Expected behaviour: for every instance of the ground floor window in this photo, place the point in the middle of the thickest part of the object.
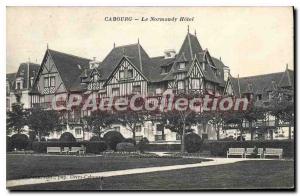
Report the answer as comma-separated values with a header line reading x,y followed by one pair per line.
x,y
78,131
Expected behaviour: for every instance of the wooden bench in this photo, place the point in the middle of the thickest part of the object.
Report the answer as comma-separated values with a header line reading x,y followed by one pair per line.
x,y
76,150
273,152
53,150
236,151
65,150
250,151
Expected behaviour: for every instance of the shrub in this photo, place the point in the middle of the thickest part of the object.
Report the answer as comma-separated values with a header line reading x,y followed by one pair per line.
x,y
219,148
130,140
19,141
193,142
67,137
95,138
95,147
9,146
142,144
112,138
39,147
125,147
162,147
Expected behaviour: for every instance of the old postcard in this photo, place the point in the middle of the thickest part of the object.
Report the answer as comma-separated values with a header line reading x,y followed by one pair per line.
x,y
150,98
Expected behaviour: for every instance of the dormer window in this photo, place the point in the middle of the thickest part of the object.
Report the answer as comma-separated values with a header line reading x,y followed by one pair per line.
x,y
164,70
19,84
31,81
95,78
181,65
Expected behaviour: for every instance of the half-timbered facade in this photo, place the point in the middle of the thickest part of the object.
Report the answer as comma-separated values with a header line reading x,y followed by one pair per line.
x,y
259,88
127,70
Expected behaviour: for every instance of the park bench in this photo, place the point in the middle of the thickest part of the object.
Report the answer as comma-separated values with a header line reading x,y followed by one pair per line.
x,y
65,150
53,150
273,152
250,151
76,150
236,151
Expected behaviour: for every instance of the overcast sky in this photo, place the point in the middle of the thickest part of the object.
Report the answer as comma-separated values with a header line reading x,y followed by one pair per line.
x,y
249,40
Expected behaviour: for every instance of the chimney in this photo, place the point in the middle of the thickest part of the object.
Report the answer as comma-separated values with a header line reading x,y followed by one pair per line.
x,y
170,53
94,63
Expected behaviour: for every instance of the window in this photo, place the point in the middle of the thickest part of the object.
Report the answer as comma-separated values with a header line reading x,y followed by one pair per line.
x,y
122,74
78,131
52,81
195,83
138,128
181,66
46,82
130,73
159,127
180,85
136,89
115,91
164,70
31,81
126,74
117,129
158,91
18,87
95,78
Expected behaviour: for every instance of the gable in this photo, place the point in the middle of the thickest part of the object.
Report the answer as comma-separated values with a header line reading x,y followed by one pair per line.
x,y
49,70
124,66
195,70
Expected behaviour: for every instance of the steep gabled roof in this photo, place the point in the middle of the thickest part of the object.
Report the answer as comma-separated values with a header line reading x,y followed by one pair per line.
x,y
189,47
287,79
10,78
261,84
154,70
133,52
69,67
23,73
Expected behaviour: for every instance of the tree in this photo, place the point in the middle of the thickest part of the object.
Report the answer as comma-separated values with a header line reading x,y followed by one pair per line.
x,y
16,119
282,106
99,121
131,120
216,118
43,122
179,122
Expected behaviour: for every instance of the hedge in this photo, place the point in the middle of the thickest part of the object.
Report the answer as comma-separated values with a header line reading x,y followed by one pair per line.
x,y
94,147
219,148
162,147
125,147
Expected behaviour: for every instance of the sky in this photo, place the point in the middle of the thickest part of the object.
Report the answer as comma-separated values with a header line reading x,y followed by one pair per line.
x,y
250,40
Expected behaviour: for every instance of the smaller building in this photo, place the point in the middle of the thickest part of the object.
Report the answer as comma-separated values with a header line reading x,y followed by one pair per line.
x,y
18,85
260,89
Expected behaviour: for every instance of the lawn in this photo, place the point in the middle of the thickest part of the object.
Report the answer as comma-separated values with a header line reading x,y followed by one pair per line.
x,y
26,166
241,175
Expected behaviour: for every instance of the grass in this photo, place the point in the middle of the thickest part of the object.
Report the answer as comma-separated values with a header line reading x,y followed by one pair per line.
x,y
241,175
26,166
